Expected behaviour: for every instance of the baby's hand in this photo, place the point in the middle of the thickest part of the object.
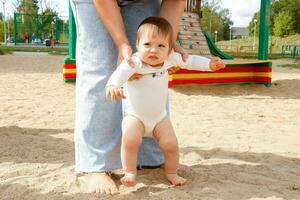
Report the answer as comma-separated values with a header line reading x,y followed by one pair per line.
x,y
172,70
216,64
135,77
114,93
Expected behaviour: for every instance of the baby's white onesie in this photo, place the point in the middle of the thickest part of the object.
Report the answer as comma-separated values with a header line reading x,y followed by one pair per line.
x,y
146,99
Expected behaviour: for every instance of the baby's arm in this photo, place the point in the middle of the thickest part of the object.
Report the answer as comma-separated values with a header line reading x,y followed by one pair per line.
x,y
114,90
196,62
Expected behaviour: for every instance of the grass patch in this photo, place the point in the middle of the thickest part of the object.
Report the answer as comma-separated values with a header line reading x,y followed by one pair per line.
x,y
53,51
295,65
277,42
254,55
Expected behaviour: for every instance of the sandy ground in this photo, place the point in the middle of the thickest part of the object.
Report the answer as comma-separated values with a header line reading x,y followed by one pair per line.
x,y
236,142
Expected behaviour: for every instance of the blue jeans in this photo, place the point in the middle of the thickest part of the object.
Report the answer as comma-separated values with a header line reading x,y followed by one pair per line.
x,y
98,121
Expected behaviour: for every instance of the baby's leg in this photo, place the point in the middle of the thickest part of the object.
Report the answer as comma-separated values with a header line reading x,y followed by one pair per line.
x,y
133,130
165,135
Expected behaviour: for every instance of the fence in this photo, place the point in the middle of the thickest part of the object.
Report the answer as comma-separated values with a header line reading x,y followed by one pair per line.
x,y
288,50
31,28
292,50
246,50
193,6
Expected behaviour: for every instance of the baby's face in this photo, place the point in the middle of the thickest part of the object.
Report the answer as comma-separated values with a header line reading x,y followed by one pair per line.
x,y
153,50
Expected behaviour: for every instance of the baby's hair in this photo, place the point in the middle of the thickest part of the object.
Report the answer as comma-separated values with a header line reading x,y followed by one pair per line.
x,y
156,26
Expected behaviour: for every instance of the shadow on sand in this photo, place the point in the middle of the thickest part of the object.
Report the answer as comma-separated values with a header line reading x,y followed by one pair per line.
x,y
218,174
19,145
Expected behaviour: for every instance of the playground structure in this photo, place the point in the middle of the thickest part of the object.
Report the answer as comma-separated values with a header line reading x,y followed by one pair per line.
x,y
42,26
192,38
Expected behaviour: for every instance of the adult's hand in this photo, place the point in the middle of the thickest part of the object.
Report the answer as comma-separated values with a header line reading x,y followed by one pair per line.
x,y
172,11
184,56
109,13
183,53
125,53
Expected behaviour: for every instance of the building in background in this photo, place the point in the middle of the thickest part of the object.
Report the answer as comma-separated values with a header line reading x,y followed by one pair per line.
x,y
240,32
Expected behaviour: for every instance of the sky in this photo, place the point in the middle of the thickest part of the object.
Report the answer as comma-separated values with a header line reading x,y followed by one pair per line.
x,y
241,13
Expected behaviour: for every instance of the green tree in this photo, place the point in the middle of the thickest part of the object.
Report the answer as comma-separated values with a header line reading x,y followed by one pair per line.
x,y
9,28
278,7
28,6
226,23
214,18
251,26
48,23
274,11
1,32
284,24
293,7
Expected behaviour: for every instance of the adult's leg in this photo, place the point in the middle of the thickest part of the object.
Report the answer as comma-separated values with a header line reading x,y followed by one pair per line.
x,y
133,14
98,121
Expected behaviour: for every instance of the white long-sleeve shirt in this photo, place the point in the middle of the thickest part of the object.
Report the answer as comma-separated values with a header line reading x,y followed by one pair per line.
x,y
146,98
124,71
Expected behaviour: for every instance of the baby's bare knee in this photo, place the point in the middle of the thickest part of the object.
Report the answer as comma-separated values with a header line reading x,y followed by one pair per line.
x,y
131,142
169,146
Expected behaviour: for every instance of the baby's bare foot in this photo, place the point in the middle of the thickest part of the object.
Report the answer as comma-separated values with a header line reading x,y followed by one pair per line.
x,y
175,179
129,179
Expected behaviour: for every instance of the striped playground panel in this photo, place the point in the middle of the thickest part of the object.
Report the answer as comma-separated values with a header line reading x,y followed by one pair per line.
x,y
69,70
236,72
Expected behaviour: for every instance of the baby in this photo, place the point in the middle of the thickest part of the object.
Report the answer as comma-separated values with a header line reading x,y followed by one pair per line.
x,y
145,100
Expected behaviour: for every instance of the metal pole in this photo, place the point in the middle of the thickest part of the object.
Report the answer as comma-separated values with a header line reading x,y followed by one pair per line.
x,y
72,34
57,31
255,21
264,29
15,28
52,23
8,33
4,21
63,32
210,22
216,36
230,36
